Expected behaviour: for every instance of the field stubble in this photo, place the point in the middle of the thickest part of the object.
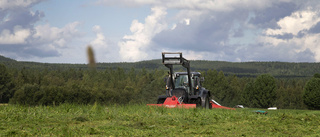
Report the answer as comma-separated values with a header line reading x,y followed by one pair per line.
x,y
142,120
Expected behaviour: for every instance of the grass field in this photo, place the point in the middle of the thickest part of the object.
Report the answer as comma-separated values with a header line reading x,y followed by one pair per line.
x,y
141,120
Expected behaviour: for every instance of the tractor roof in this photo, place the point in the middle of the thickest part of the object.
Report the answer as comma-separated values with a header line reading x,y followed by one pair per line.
x,y
192,73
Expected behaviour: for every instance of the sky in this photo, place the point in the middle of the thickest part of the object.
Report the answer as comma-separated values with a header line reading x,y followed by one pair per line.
x,y
59,31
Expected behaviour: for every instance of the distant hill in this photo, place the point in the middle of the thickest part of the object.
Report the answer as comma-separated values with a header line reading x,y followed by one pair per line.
x,y
241,69
5,59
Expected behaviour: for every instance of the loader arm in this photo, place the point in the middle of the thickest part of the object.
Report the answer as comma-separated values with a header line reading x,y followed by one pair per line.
x,y
169,61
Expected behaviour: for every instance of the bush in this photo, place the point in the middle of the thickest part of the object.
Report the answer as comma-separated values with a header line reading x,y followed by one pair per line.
x,y
77,93
25,95
33,94
50,95
311,95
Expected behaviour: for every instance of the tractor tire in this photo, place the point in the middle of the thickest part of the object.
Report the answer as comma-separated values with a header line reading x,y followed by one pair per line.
x,y
160,101
205,104
198,103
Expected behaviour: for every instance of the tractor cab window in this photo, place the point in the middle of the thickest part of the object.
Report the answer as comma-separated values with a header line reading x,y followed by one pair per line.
x,y
181,81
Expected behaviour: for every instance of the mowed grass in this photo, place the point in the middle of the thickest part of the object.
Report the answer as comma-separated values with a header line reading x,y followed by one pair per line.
x,y
142,120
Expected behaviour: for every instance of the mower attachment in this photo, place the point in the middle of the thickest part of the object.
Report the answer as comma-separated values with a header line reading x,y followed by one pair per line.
x,y
173,102
217,105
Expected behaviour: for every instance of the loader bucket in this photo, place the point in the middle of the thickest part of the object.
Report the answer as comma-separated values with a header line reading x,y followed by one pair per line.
x,y
172,102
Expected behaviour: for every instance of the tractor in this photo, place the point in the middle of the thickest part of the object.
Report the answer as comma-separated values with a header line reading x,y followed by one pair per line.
x,y
183,89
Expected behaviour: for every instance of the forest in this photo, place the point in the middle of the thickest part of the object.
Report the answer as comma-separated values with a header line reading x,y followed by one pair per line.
x,y
32,83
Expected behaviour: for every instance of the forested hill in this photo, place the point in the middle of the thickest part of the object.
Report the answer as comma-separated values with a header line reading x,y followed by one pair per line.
x,y
241,69
4,59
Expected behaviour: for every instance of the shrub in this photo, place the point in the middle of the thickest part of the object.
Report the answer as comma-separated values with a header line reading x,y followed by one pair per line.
x,y
25,94
311,95
50,95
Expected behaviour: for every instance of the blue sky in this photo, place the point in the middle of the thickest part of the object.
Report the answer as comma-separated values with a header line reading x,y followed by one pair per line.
x,y
59,31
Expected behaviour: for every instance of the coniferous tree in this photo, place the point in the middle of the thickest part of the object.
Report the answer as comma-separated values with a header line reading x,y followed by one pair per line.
x,y
311,95
265,89
261,93
6,85
248,97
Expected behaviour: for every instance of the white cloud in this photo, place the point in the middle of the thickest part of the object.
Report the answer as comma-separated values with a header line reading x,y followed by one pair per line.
x,y
200,34
100,44
9,4
100,41
135,47
191,55
297,22
230,30
18,36
214,5
130,3
207,29
57,37
187,21
173,26
21,37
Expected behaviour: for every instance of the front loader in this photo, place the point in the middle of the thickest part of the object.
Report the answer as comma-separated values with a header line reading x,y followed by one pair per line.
x,y
183,89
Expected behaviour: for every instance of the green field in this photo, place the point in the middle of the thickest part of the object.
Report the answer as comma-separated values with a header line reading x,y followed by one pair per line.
x,y
141,120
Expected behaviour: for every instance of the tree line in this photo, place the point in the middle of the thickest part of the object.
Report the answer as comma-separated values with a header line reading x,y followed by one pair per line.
x,y
241,69
120,86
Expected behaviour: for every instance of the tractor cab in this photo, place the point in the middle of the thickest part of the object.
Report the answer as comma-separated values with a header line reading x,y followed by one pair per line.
x,y
180,80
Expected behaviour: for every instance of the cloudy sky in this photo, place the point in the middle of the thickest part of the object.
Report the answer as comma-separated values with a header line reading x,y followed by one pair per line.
x,y
59,31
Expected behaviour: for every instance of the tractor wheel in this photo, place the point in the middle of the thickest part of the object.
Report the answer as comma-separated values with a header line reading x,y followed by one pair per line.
x,y
160,101
206,103
198,103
